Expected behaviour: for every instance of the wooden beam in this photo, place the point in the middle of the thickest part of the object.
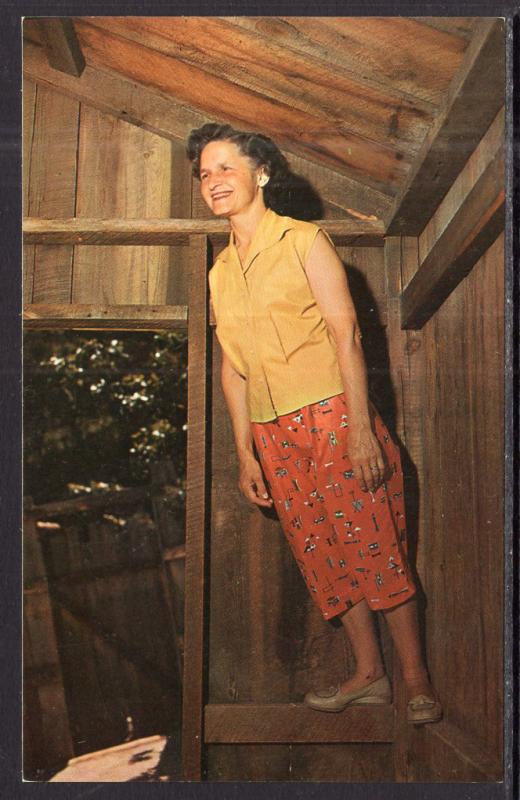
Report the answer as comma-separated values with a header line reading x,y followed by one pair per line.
x,y
165,116
96,317
475,96
196,511
459,190
278,723
472,229
61,45
78,230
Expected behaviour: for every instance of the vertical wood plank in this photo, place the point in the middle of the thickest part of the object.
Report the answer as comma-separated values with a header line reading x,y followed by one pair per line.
x,y
29,109
406,366
123,171
52,191
43,679
181,208
196,510
464,507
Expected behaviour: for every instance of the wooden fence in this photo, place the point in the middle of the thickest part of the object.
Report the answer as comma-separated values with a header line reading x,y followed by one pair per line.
x,y
103,617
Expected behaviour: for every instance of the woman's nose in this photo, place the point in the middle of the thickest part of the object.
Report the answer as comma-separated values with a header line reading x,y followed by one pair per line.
x,y
214,180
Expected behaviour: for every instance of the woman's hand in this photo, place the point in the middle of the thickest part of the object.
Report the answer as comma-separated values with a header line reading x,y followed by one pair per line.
x,y
251,481
366,458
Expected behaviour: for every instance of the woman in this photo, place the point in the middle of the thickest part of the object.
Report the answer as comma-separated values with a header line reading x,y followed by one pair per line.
x,y
295,383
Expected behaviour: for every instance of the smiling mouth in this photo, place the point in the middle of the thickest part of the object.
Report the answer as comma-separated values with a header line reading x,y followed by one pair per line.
x,y
220,196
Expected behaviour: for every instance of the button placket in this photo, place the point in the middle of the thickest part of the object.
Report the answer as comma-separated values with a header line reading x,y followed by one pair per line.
x,y
260,378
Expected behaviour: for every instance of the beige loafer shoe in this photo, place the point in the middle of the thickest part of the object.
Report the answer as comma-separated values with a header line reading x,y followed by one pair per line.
x,y
379,692
422,708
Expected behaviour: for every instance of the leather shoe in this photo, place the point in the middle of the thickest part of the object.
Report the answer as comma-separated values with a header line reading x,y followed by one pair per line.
x,y
378,692
421,709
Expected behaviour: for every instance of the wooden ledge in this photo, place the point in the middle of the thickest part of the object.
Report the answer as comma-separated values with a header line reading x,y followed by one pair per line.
x,y
79,231
91,316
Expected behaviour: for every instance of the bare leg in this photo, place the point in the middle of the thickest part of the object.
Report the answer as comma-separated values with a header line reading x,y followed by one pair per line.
x,y
359,626
404,627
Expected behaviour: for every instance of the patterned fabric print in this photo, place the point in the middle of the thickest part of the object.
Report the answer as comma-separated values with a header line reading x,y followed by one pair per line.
x,y
348,544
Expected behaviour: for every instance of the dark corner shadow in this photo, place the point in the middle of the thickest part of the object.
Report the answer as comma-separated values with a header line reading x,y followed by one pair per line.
x,y
381,391
297,199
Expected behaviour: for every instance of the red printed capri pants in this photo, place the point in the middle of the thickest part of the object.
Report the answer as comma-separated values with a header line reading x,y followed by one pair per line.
x,y
348,544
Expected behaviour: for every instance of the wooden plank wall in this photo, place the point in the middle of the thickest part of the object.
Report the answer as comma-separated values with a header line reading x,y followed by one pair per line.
x,y
268,643
463,542
82,162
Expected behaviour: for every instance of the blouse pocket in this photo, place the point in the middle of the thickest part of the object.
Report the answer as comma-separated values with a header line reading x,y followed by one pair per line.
x,y
292,333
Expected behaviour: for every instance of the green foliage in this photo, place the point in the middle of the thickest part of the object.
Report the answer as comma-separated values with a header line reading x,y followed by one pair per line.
x,y
100,407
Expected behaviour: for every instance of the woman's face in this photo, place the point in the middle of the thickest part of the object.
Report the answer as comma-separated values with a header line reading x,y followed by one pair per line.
x,y
228,179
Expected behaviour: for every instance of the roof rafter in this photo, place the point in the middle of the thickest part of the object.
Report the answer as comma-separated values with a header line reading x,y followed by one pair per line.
x,y
460,125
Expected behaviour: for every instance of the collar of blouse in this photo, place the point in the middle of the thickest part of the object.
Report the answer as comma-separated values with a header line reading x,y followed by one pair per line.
x,y
269,231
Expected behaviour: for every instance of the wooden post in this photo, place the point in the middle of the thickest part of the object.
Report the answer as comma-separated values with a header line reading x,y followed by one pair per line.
x,y
196,510
406,363
47,737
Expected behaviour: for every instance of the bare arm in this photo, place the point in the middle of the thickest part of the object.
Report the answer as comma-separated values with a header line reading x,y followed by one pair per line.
x,y
329,285
250,480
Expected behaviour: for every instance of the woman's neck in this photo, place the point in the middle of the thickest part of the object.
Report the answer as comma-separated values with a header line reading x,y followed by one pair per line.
x,y
245,224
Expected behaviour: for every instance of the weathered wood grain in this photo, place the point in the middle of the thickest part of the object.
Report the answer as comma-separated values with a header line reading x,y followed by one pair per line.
x,y
115,317
169,231
122,172
464,503
386,47
143,106
28,109
274,723
406,373
280,74
61,44
196,512
52,187
181,207
459,126
474,226
476,165
348,153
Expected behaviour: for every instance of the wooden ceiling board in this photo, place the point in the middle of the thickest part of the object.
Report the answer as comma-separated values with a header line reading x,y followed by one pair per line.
x,y
163,115
278,73
302,133
394,51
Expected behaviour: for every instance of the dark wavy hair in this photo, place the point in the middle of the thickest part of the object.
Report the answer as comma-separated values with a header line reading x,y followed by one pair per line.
x,y
260,149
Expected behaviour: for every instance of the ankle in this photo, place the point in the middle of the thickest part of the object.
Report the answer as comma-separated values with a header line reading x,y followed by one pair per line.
x,y
371,673
415,674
